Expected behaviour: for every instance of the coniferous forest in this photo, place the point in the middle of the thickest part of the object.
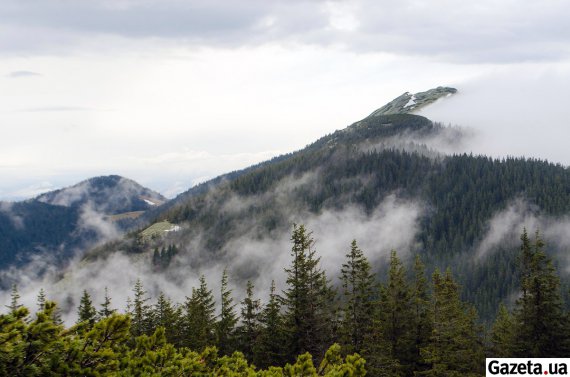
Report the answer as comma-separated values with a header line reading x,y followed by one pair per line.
x,y
410,324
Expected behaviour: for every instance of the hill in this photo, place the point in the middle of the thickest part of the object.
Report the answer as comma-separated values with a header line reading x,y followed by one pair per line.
x,y
57,224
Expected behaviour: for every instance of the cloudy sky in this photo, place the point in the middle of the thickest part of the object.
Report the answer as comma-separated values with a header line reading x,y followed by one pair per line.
x,y
172,92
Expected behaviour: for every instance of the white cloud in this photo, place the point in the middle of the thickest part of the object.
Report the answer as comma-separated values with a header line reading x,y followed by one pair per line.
x,y
515,111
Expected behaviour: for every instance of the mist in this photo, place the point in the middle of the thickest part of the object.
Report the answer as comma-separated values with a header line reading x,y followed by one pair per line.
x,y
506,225
393,225
515,111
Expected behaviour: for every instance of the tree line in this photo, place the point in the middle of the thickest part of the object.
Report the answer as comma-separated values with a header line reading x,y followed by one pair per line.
x,y
406,325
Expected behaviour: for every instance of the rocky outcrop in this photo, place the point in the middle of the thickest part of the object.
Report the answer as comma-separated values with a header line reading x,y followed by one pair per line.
x,y
409,103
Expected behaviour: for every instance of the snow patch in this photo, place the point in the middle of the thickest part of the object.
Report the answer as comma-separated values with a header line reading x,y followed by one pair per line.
x,y
411,102
174,228
149,202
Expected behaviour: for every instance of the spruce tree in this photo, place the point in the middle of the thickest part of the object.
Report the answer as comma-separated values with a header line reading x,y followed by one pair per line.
x,y
41,300
540,321
249,329
308,300
106,309
139,311
225,327
421,313
455,346
398,315
86,312
199,323
14,299
358,291
271,344
502,335
167,316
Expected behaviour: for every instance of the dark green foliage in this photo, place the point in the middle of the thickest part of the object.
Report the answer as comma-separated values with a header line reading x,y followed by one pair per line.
x,y
32,225
161,259
422,314
42,348
106,309
540,322
14,299
140,311
502,334
396,317
250,328
86,312
199,323
307,301
455,346
225,326
271,345
358,291
168,316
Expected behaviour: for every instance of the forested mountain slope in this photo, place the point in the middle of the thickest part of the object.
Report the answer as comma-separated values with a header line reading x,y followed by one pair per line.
x,y
382,181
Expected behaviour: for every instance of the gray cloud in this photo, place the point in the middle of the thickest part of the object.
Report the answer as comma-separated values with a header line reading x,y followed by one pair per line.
x,y
56,109
484,31
19,74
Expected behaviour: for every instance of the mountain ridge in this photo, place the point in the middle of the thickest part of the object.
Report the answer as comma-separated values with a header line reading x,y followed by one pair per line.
x,y
58,223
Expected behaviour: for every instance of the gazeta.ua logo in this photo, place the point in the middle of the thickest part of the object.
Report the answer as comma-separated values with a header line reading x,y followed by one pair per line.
x,y
527,367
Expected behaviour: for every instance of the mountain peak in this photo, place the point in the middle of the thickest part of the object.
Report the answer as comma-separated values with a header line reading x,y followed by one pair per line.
x,y
410,103
110,194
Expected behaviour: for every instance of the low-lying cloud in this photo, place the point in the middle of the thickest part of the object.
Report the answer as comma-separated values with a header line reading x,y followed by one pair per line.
x,y
519,112
20,74
393,225
506,226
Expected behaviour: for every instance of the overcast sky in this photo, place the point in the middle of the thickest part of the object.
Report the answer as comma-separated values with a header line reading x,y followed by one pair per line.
x,y
171,93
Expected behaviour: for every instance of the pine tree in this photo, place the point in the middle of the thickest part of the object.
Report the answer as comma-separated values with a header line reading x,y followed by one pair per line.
x,y
14,299
139,311
540,321
249,329
225,327
86,312
308,299
271,343
199,322
106,310
358,291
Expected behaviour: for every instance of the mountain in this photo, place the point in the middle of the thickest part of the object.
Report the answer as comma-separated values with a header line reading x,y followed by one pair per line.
x,y
110,195
381,180
56,224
